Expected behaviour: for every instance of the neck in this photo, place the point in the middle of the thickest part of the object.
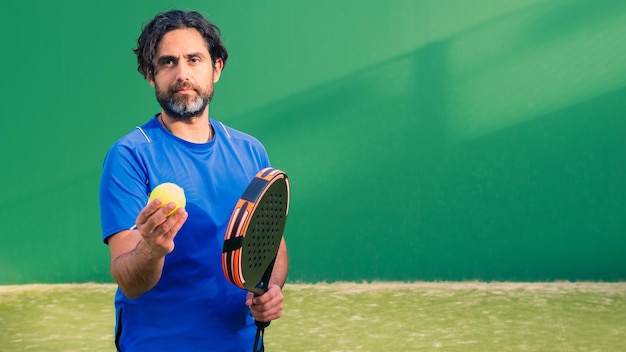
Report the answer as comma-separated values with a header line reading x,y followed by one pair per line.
x,y
195,130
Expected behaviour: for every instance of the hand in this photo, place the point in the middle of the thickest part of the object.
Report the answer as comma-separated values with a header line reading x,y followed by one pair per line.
x,y
268,306
157,229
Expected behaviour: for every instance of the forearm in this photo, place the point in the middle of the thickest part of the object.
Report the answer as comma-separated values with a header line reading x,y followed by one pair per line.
x,y
137,271
281,266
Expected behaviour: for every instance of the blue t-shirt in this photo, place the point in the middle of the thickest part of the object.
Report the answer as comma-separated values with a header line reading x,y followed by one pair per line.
x,y
193,307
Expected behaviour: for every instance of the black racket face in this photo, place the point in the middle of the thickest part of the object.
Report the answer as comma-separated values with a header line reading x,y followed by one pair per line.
x,y
264,234
255,231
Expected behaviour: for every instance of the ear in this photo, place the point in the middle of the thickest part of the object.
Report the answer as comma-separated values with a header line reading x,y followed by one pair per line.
x,y
217,69
150,79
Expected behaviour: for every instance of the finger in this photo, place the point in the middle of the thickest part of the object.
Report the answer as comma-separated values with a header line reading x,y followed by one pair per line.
x,y
174,223
147,211
162,236
157,218
249,298
272,306
272,292
272,313
159,230
180,216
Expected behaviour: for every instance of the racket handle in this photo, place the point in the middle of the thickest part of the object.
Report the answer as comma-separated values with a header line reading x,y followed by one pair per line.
x,y
261,324
263,285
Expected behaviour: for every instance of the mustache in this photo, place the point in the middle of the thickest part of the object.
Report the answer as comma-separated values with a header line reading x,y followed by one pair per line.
x,y
184,85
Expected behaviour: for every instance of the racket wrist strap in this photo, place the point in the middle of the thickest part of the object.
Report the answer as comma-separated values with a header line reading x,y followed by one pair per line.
x,y
258,339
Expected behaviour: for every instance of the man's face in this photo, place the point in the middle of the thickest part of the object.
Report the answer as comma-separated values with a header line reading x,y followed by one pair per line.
x,y
184,74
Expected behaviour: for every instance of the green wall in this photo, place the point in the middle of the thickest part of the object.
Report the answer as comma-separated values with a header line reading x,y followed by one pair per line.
x,y
425,140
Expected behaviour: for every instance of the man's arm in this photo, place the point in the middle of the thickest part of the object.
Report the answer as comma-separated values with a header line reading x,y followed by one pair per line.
x,y
281,266
138,255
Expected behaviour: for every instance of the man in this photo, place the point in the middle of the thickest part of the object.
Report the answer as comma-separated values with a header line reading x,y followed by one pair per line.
x,y
172,293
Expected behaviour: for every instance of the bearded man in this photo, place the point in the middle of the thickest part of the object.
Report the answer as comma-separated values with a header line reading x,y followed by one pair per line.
x,y
172,293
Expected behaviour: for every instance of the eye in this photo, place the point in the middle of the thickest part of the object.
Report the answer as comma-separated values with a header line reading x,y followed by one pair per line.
x,y
194,59
166,62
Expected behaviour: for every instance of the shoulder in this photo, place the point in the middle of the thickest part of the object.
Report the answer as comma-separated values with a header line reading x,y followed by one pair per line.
x,y
137,140
242,144
140,135
236,136
131,152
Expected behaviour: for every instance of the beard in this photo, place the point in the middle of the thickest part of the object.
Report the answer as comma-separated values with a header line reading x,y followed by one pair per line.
x,y
184,106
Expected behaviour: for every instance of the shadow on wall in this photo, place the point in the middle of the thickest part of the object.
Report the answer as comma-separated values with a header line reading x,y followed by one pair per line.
x,y
438,166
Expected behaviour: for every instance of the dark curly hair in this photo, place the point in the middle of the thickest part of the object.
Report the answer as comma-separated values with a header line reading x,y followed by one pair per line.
x,y
168,21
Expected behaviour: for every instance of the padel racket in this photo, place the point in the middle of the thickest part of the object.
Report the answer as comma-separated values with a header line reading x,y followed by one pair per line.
x,y
254,234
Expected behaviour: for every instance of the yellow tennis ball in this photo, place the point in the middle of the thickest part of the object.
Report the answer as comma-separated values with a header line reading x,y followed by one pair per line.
x,y
169,192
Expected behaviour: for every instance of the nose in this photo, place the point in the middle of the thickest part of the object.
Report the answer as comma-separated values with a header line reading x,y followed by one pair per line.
x,y
182,71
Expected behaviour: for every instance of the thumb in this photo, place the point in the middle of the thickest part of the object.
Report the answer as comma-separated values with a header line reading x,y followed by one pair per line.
x,y
249,298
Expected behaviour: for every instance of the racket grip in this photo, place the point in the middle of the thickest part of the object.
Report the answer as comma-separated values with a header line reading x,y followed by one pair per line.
x,y
261,324
263,285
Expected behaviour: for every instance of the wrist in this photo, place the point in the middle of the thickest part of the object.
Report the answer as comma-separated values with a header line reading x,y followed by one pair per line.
x,y
148,253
